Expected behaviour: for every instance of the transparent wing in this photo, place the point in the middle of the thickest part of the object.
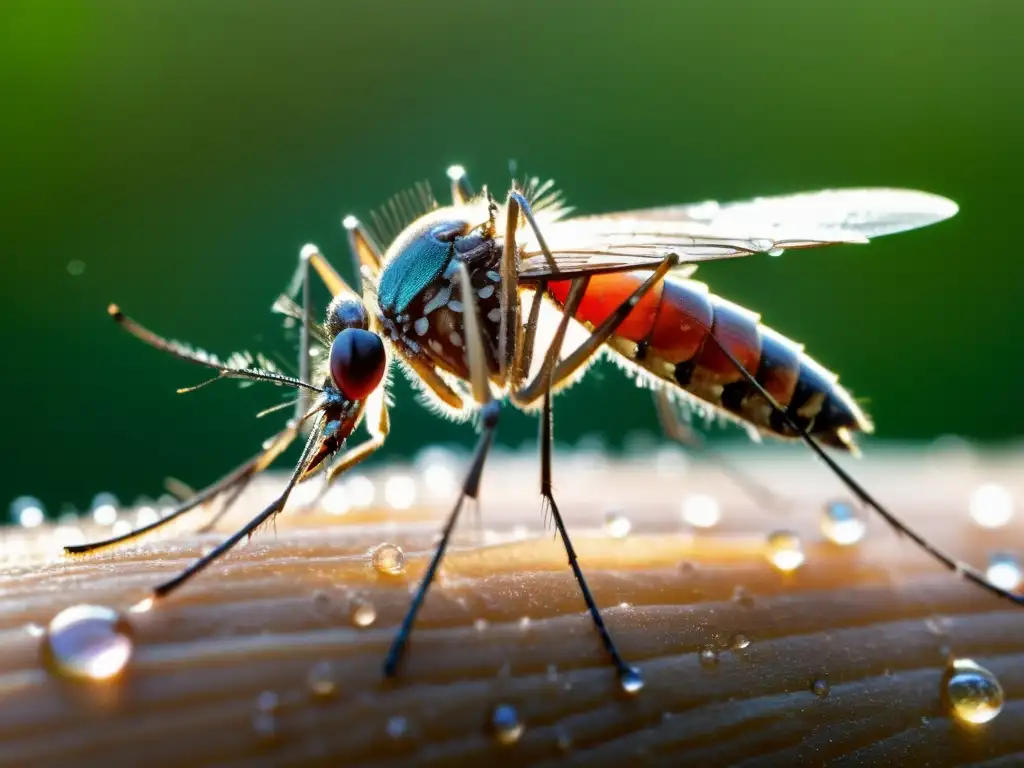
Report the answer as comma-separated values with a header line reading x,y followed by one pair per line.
x,y
709,230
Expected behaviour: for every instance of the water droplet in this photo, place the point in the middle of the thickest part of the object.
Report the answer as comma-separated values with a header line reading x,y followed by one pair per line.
x,y
617,524
820,687
480,625
524,623
1004,570
388,559
701,510
363,613
397,726
506,724
974,693
323,680
632,681
708,656
28,512
87,642
264,719
739,642
400,491
35,630
776,251
785,551
842,524
104,508
143,606
991,505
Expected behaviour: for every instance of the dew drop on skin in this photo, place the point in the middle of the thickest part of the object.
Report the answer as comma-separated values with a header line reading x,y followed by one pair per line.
x,y
506,725
785,550
841,524
388,559
617,525
974,693
632,681
1004,570
87,642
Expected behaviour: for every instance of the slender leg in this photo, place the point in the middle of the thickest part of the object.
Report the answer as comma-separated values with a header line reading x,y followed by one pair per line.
x,y
365,252
546,441
490,413
956,566
676,429
275,506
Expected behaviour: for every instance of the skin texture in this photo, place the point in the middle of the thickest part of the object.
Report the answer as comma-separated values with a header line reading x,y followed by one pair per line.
x,y
877,621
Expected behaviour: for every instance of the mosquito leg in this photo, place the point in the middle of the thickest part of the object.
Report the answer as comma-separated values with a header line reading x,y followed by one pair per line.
x,y
956,566
676,429
546,441
272,509
365,252
490,412
238,478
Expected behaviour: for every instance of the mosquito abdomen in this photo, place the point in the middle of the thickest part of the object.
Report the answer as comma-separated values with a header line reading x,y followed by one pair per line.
x,y
669,332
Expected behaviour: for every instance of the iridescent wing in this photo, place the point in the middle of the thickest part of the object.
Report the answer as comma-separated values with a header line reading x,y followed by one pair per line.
x,y
707,231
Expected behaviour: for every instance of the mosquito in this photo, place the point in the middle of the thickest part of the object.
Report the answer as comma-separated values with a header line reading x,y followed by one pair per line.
x,y
458,300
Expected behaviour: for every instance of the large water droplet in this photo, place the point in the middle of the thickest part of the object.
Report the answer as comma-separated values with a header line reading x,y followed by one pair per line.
x,y
631,680
506,724
388,559
617,524
842,524
820,687
739,642
28,512
322,680
363,613
974,693
1004,570
785,550
87,642
991,505
701,510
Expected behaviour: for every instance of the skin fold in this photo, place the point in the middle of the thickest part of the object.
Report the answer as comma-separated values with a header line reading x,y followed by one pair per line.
x,y
839,662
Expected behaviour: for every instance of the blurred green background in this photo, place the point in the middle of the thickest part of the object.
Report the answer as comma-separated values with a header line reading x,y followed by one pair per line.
x,y
184,151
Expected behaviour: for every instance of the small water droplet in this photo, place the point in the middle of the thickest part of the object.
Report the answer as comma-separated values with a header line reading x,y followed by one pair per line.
x,y
400,491
785,550
617,524
524,623
842,524
480,625
701,510
991,505
28,512
776,251
820,687
363,613
264,719
87,642
708,656
388,559
397,726
506,724
35,630
1004,570
974,693
739,642
322,680
143,606
632,681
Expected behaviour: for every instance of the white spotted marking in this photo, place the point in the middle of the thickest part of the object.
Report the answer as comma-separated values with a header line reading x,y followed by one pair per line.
x,y
495,315
439,300
455,339
493,276
486,292
455,306
422,326
436,346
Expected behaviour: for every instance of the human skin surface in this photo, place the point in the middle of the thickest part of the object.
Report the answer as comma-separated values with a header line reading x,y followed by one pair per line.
x,y
844,664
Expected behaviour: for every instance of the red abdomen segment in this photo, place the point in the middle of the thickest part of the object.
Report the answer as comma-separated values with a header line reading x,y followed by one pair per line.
x,y
669,333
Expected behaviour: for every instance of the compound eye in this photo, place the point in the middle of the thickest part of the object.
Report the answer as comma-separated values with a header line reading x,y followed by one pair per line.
x,y
357,362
